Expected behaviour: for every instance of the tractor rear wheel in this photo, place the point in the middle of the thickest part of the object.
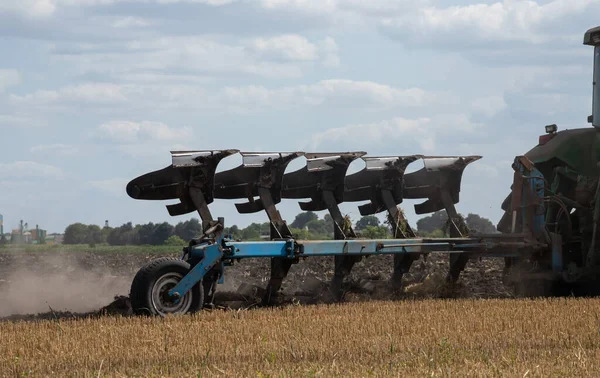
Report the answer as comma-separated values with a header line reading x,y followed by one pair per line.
x,y
152,283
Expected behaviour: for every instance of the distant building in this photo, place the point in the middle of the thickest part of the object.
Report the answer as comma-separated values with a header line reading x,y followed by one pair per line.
x,y
22,235
38,235
18,236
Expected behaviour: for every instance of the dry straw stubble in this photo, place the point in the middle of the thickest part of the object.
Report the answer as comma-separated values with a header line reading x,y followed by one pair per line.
x,y
530,338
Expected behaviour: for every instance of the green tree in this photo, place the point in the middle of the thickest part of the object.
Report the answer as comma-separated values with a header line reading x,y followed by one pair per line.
x,y
439,233
189,229
301,233
375,232
234,231
435,221
252,232
105,232
368,220
94,235
317,226
265,228
328,219
479,224
76,233
123,235
161,233
175,241
145,233
79,233
303,218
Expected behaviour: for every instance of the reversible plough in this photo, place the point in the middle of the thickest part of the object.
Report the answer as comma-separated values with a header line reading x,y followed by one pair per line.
x,y
260,179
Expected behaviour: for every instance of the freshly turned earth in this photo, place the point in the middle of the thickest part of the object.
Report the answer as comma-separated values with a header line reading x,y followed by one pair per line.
x,y
42,285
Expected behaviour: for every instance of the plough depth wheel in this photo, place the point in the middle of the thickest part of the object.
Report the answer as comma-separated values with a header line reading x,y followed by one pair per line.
x,y
150,287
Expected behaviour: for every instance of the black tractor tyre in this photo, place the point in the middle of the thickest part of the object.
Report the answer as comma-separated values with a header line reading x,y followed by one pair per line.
x,y
157,277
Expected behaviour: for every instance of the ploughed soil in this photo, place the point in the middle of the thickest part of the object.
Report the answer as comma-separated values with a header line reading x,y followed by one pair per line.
x,y
54,285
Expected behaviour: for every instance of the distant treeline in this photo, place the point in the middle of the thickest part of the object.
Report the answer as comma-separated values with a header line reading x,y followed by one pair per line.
x,y
128,234
306,225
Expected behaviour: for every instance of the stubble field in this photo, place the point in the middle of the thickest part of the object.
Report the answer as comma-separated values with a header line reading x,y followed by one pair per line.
x,y
482,331
440,338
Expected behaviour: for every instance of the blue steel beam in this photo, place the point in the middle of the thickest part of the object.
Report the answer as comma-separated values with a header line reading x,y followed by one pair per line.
x,y
306,248
209,255
279,248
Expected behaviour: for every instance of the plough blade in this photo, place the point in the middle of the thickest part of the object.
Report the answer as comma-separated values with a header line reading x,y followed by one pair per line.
x,y
440,178
324,172
164,184
379,175
258,170
190,170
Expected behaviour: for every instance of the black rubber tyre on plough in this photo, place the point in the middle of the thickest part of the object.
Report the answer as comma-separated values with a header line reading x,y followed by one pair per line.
x,y
152,283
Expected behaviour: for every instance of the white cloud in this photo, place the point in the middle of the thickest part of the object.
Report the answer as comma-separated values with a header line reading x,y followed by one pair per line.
x,y
57,149
381,7
29,169
29,8
487,169
207,2
333,7
47,8
285,47
316,6
335,92
9,78
130,22
329,52
488,106
413,135
482,24
131,132
558,94
167,78
114,186
86,93
374,134
283,56
19,120
151,152
292,47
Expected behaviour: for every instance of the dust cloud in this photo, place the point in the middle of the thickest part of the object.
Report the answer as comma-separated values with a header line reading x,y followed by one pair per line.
x,y
57,282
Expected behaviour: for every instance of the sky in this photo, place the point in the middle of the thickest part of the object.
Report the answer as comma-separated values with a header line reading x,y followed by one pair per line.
x,y
94,93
